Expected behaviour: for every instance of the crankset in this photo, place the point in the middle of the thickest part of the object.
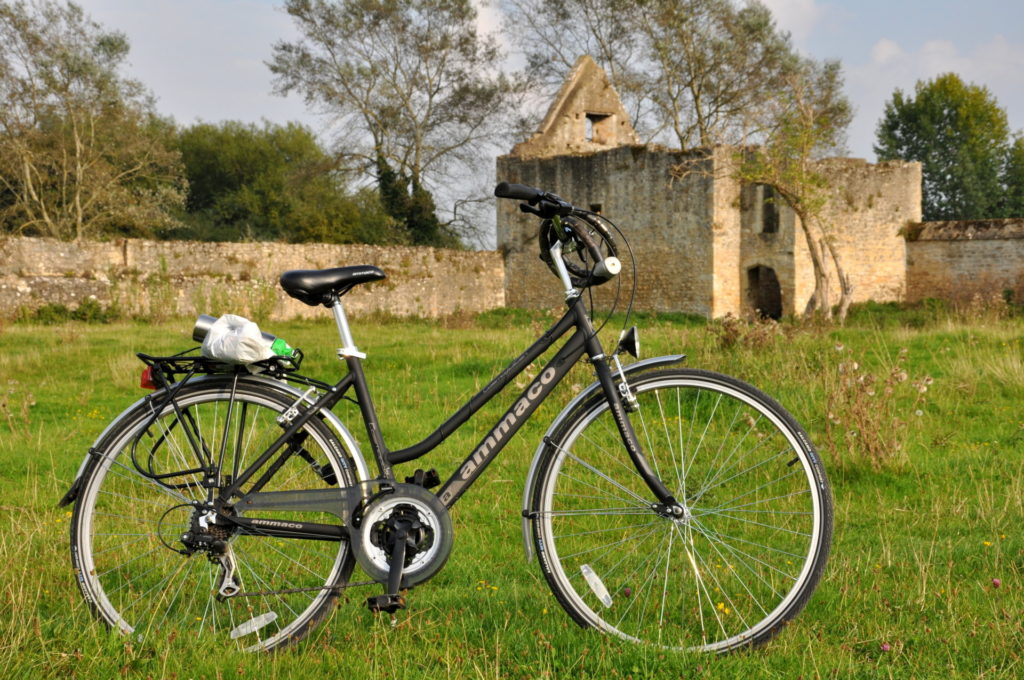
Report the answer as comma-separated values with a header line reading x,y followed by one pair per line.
x,y
403,539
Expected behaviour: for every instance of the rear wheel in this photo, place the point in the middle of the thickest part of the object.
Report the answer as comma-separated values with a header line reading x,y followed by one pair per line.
x,y
134,539
743,559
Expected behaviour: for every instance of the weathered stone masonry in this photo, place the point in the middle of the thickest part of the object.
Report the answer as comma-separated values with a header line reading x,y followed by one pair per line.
x,y
175,277
707,244
960,260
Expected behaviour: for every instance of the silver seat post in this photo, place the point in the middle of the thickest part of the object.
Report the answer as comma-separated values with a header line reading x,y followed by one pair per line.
x,y
348,345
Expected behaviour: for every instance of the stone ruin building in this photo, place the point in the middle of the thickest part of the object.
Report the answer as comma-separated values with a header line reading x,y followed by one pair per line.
x,y
708,244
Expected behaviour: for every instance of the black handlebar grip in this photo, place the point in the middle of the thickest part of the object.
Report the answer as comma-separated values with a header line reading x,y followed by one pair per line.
x,y
519,192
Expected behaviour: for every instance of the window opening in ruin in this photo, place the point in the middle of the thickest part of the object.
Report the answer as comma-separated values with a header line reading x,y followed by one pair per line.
x,y
595,208
598,129
769,210
764,292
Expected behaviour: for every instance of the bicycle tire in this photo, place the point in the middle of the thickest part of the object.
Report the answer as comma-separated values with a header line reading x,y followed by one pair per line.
x,y
742,562
126,526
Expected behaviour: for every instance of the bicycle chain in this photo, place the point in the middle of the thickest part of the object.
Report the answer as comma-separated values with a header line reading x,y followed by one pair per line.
x,y
289,591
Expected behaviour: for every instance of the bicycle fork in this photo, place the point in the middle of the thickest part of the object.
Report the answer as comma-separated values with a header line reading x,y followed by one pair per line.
x,y
667,504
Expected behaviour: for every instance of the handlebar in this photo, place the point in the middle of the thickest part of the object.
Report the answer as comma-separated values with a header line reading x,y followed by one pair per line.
x,y
590,236
538,202
519,192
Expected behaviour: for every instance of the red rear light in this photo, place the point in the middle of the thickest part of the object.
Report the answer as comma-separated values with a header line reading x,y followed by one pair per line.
x,y
147,378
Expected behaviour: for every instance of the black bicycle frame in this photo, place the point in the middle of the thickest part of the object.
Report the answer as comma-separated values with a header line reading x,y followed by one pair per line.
x,y
583,340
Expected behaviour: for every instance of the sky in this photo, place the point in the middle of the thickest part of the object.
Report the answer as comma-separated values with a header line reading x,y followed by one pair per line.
x,y
889,44
205,59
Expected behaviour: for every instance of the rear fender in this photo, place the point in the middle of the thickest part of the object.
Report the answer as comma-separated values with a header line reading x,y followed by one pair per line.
x,y
95,452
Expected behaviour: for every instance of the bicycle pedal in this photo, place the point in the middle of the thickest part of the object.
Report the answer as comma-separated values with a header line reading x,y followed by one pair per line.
x,y
427,479
385,603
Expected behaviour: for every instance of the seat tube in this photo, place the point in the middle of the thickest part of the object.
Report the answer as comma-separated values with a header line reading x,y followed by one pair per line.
x,y
348,345
353,358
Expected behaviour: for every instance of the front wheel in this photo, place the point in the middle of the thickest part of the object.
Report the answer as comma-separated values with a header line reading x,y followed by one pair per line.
x,y
740,562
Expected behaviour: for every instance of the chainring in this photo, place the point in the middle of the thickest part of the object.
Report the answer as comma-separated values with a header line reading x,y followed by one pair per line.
x,y
433,542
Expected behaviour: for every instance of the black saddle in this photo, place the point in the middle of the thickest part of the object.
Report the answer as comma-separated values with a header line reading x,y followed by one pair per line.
x,y
323,286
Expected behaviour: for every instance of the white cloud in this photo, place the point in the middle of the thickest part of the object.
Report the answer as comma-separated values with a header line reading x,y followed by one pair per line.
x,y
886,51
205,60
997,64
799,17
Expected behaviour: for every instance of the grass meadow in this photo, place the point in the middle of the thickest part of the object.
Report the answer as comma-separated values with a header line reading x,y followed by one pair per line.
x,y
919,416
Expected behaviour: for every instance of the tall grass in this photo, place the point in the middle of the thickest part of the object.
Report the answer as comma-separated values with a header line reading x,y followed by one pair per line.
x,y
924,579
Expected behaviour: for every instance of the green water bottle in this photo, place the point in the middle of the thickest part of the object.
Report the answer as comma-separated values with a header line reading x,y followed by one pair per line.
x,y
280,347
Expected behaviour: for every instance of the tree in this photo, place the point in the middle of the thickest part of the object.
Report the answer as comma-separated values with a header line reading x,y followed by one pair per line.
x,y
961,137
272,182
82,152
409,81
807,121
1013,180
552,34
412,207
691,71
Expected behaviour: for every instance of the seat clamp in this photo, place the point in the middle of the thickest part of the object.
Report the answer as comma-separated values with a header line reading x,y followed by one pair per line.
x,y
344,352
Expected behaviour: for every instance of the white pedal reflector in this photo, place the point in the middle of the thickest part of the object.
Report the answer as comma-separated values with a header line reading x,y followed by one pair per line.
x,y
595,583
253,625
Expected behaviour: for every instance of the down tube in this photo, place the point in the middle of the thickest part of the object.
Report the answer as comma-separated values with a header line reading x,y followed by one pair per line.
x,y
514,418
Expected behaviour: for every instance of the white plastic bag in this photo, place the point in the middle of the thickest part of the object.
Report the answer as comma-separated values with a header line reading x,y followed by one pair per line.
x,y
235,340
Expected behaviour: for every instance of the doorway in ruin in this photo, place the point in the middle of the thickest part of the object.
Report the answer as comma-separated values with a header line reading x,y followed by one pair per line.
x,y
764,292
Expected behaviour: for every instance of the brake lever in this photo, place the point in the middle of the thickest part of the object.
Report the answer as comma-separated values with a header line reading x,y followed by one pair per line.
x,y
548,208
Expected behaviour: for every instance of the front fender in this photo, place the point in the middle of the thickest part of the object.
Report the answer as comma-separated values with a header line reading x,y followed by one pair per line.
x,y
351,445
631,369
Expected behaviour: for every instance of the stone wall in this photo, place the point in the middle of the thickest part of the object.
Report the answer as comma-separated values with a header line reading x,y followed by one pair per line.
x,y
960,260
867,213
165,278
668,223
698,237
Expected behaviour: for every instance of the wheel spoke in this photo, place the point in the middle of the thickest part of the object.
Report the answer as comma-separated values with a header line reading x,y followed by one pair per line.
x,y
742,545
132,528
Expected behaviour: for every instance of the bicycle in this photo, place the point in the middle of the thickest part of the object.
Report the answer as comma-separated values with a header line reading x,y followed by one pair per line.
x,y
665,505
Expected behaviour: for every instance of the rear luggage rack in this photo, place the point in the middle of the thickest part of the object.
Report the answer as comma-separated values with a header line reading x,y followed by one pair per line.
x,y
167,370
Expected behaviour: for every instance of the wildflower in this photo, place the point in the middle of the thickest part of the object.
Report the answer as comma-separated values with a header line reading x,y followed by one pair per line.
x,y
996,583
840,347
885,647
986,543
918,413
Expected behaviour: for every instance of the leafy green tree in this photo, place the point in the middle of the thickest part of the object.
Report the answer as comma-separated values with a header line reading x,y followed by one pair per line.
x,y
409,81
272,182
82,152
960,135
1013,180
412,207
